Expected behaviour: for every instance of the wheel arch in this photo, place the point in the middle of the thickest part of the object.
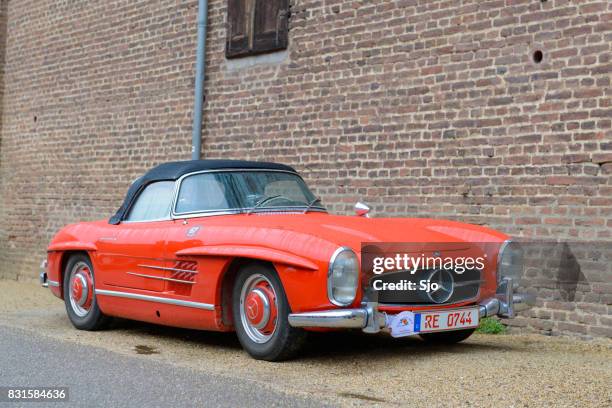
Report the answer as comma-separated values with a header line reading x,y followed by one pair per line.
x,y
63,262
291,269
227,284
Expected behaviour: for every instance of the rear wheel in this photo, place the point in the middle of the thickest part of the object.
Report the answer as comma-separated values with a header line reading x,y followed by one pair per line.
x,y
79,294
449,337
260,312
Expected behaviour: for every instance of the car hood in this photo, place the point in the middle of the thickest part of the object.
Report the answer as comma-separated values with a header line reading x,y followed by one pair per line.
x,y
356,230
353,230
303,233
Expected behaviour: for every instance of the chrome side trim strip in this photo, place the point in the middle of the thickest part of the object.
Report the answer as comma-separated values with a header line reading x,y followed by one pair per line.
x,y
162,268
161,278
156,299
53,283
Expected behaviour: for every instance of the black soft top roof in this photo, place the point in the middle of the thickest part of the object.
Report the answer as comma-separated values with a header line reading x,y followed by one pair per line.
x,y
174,170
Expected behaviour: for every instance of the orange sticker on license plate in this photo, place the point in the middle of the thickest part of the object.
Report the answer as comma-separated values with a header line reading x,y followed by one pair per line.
x,y
446,320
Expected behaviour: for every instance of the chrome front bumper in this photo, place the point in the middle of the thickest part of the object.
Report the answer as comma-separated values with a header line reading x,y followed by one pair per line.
x,y
43,280
505,304
43,274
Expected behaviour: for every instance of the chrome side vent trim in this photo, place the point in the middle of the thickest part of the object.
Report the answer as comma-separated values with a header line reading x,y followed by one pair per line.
x,y
161,278
162,268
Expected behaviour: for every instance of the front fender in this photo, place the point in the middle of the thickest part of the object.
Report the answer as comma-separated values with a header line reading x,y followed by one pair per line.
x,y
251,251
303,280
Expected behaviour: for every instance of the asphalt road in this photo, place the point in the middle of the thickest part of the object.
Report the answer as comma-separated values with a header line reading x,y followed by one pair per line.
x,y
100,378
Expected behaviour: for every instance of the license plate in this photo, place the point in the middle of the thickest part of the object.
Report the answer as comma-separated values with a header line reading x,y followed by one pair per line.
x,y
408,323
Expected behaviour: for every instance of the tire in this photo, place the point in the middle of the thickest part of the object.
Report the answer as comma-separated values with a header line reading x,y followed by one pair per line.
x,y
450,337
83,314
264,335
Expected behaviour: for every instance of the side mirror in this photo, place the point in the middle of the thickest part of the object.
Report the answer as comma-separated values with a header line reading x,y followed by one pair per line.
x,y
362,209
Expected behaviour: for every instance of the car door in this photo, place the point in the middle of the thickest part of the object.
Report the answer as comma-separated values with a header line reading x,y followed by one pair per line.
x,y
199,195
131,254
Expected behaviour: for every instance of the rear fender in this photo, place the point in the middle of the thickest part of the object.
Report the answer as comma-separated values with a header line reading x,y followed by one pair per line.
x,y
57,257
72,246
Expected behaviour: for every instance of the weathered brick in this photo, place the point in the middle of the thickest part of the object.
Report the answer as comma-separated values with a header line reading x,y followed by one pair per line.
x,y
572,327
601,331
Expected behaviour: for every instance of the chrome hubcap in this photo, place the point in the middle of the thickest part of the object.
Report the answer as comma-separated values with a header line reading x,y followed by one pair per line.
x,y
258,308
81,289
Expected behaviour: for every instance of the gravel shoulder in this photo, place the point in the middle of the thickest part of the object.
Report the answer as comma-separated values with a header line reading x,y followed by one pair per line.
x,y
352,369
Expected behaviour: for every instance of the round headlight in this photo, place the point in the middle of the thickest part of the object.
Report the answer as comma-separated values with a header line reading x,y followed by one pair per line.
x,y
510,262
342,277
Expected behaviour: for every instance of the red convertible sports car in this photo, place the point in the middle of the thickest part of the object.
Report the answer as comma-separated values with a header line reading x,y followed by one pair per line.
x,y
246,247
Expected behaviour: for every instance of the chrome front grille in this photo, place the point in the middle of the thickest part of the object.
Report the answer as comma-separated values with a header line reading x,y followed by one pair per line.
x,y
466,287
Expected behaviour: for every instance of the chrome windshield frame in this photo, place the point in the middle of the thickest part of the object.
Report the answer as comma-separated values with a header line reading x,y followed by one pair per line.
x,y
230,211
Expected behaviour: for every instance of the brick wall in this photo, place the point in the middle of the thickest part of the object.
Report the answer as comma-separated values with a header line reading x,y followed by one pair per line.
x,y
420,108
95,93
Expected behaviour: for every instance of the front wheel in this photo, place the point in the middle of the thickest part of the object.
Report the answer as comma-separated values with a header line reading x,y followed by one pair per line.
x,y
260,312
79,294
449,337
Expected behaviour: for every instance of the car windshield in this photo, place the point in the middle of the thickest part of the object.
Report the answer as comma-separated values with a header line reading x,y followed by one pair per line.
x,y
243,190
